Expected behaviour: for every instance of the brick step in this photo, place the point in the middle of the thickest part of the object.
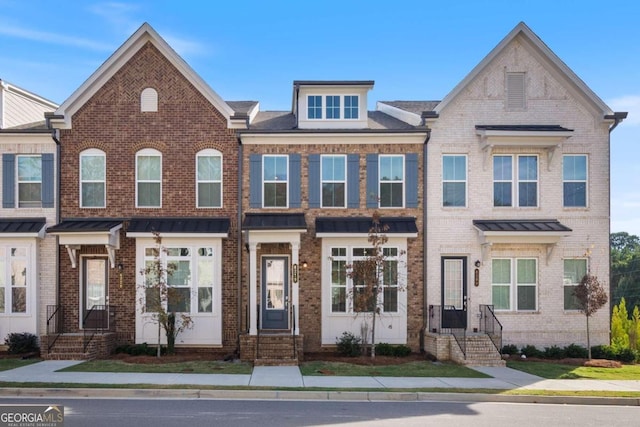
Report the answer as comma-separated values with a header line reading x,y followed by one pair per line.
x,y
275,362
68,356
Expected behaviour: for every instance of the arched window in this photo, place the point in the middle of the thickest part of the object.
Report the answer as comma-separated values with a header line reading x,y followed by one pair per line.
x,y
209,179
148,178
93,173
149,100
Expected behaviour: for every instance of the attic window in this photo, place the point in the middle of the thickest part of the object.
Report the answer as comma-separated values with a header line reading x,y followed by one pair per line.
x,y
149,100
516,92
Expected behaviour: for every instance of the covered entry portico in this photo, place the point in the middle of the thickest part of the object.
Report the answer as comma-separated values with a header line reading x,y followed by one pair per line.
x,y
274,304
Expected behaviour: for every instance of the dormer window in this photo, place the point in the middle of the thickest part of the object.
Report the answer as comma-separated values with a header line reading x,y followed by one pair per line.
x,y
336,107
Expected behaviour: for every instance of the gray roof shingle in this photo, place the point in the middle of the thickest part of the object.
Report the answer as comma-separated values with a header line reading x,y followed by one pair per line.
x,y
416,107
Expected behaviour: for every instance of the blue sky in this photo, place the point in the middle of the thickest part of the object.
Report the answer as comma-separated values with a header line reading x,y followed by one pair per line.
x,y
414,50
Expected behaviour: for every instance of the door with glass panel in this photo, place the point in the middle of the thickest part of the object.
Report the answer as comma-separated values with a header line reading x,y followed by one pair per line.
x,y
94,290
275,293
454,292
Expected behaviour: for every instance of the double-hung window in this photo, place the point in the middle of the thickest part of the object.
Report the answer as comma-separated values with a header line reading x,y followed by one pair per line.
x,y
148,179
29,181
454,180
209,178
334,180
275,172
521,191
92,178
574,180
574,270
514,283
391,175
13,279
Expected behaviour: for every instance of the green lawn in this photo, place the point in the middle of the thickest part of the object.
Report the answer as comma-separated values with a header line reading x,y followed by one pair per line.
x,y
193,367
409,369
6,364
559,371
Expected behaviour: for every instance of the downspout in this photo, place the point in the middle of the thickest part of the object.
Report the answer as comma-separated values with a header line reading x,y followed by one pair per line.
x,y
239,249
425,309
617,118
54,136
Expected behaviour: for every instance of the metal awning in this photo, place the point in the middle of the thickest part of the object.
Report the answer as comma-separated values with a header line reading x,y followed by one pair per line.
x,y
73,233
361,226
274,221
22,227
179,227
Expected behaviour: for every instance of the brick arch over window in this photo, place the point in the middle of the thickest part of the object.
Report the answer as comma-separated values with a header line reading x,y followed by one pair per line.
x,y
149,100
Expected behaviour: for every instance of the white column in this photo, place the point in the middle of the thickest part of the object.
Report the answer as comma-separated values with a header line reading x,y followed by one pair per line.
x,y
253,302
295,249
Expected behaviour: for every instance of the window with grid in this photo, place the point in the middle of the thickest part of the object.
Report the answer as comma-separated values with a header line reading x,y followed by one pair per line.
x,y
334,181
333,107
391,181
514,284
574,180
314,107
351,107
209,179
92,179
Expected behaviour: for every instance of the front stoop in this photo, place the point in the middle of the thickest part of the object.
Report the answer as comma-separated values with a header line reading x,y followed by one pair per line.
x,y
71,347
272,349
480,352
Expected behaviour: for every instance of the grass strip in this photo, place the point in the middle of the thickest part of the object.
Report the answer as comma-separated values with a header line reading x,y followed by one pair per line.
x,y
560,371
410,369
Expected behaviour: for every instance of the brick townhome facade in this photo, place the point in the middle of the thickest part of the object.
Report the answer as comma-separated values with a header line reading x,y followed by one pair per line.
x,y
262,210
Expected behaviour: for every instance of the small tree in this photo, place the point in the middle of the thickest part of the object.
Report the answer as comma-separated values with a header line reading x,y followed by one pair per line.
x,y
160,298
591,296
370,274
620,326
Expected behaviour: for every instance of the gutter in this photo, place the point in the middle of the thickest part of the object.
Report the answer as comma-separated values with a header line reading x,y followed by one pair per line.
x,y
617,118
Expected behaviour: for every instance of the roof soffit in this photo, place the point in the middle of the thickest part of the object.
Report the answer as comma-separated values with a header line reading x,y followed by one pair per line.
x,y
119,58
551,62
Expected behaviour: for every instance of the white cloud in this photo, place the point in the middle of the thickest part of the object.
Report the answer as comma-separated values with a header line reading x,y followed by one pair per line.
x,y
118,15
185,47
51,38
629,103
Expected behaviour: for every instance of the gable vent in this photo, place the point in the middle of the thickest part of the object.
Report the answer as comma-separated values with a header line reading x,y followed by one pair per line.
x,y
516,91
149,100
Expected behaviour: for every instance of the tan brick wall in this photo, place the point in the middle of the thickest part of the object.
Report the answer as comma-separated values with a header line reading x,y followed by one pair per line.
x,y
450,230
184,124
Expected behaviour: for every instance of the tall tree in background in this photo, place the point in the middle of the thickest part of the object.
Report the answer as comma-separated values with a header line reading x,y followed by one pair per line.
x,y
625,269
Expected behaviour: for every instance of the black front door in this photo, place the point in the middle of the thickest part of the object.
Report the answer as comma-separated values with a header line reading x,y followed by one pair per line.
x,y
454,292
275,292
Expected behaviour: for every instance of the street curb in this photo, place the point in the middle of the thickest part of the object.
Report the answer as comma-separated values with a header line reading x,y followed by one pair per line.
x,y
358,396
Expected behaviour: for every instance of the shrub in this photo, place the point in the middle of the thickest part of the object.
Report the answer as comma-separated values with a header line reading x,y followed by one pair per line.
x,y
531,351
384,349
349,345
554,352
576,351
510,349
21,343
626,355
139,350
603,352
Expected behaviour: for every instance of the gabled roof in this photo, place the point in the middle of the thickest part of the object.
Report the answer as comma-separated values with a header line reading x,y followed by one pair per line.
x,y
530,39
120,57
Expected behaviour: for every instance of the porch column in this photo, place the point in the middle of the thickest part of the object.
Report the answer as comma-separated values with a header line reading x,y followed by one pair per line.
x,y
295,249
253,301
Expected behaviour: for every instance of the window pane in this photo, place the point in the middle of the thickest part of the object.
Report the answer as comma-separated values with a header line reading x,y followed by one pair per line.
x,y
528,194
148,194
575,194
391,195
92,194
390,296
29,195
501,271
570,300
333,195
314,107
574,270
275,194
500,297
333,107
275,168
2,291
92,168
526,271
526,297
333,168
209,194
574,168
179,300
453,193
502,168
209,168
501,194
454,168
528,168
179,273
350,107
205,300
149,168
338,300
391,168
18,300
453,283
29,168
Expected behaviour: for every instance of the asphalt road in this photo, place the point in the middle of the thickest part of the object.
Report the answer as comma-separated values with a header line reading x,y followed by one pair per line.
x,y
201,412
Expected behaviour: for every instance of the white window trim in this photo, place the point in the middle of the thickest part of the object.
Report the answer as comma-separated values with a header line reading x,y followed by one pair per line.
x,y
585,181
93,152
29,279
565,283
18,182
151,153
210,152
392,181
264,157
342,107
329,181
515,181
513,286
322,107
465,180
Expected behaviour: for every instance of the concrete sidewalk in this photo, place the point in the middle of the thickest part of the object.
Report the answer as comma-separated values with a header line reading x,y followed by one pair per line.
x,y
290,376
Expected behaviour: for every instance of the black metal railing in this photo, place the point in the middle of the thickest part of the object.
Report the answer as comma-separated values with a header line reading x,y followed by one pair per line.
x,y
54,324
459,334
96,320
293,331
490,325
435,316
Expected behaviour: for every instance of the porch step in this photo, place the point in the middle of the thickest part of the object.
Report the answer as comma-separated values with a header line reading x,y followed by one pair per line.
x,y
275,362
480,351
68,347
278,349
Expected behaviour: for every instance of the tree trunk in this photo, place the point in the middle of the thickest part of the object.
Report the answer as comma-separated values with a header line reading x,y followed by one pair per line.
x,y
373,335
159,335
588,340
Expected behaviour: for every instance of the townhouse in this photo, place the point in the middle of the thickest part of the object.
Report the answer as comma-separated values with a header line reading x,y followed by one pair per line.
x,y
495,202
